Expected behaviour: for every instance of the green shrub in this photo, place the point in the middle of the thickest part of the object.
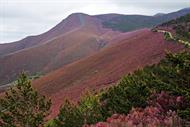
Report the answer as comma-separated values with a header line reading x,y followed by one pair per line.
x,y
88,111
130,92
91,108
70,115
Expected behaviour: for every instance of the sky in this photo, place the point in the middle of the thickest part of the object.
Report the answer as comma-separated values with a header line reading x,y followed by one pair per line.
x,y
21,18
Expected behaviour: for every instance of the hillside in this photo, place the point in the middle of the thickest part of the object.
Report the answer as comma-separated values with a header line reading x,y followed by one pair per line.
x,y
105,67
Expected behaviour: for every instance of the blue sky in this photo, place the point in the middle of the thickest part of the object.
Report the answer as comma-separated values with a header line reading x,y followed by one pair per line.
x,y
21,18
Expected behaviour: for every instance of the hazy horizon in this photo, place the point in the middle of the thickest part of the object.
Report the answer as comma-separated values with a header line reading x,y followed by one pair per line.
x,y
21,18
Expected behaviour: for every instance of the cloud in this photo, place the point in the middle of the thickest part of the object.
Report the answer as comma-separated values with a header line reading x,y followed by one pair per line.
x,y
21,18
151,7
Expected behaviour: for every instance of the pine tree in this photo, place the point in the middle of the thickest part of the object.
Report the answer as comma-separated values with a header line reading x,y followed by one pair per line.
x,y
70,115
22,106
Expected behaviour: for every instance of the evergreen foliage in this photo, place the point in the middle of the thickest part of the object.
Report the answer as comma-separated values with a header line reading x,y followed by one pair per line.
x,y
91,108
87,111
22,106
70,115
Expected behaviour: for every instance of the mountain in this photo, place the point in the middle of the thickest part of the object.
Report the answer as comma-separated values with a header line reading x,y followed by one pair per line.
x,y
77,37
71,23
80,37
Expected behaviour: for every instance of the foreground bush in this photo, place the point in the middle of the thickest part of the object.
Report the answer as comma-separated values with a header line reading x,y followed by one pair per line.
x,y
159,113
138,117
22,106
70,115
87,111
130,92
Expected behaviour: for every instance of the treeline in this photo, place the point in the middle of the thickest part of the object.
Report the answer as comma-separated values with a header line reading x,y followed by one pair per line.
x,y
22,106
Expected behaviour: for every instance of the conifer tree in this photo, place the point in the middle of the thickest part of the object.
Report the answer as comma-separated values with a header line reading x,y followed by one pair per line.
x,y
22,106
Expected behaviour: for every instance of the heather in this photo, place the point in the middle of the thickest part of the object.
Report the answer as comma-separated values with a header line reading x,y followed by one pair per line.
x,y
158,113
